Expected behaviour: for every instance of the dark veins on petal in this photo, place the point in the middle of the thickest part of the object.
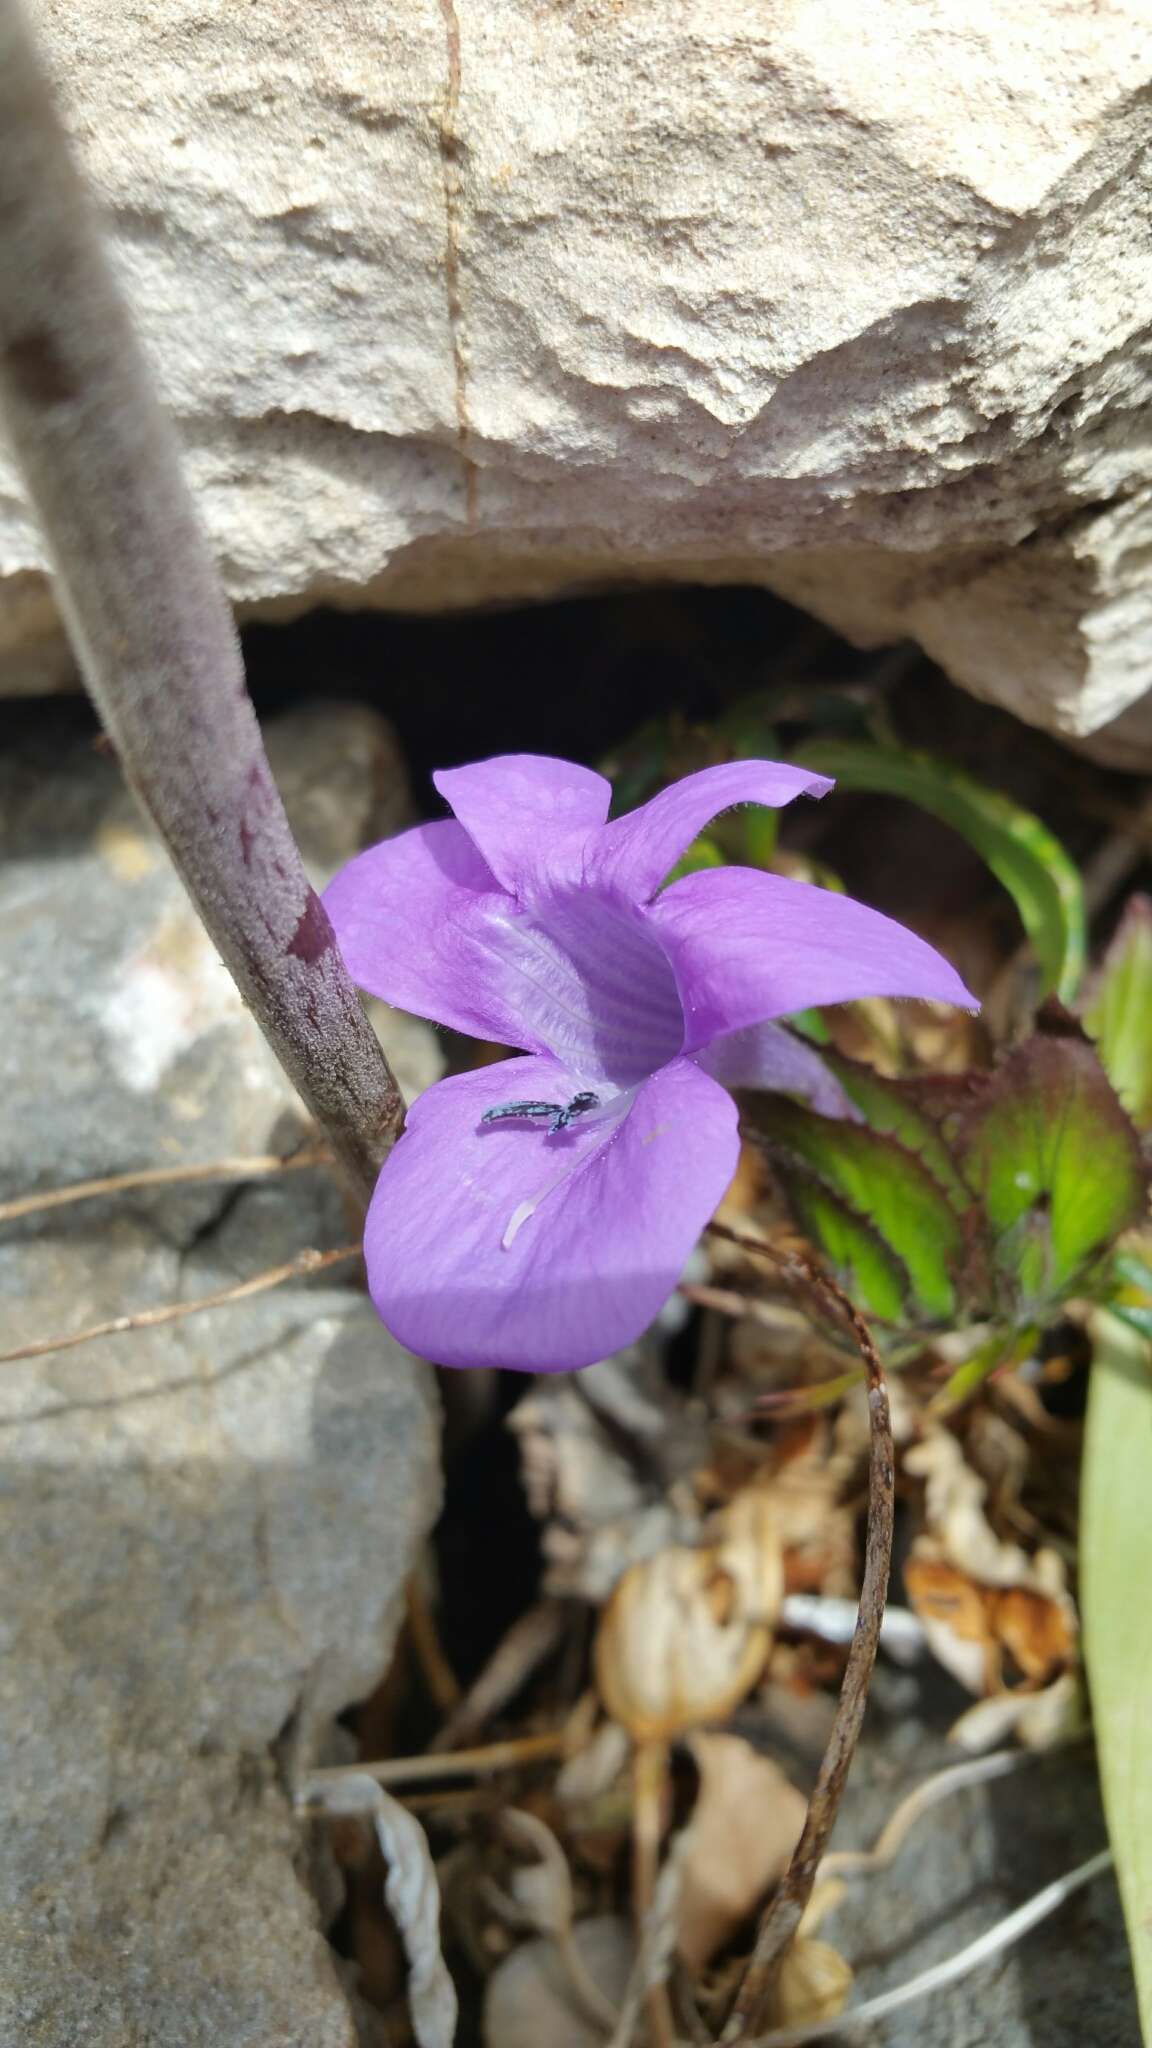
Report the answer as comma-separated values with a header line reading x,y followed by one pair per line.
x,y
595,984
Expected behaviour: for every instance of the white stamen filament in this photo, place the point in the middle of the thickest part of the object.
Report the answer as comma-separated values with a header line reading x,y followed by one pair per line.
x,y
515,1224
612,1112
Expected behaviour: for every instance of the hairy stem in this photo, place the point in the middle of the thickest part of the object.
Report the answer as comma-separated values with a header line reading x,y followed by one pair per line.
x,y
150,622
786,1908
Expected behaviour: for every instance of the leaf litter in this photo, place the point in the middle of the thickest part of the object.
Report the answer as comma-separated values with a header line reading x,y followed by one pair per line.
x,y
699,1500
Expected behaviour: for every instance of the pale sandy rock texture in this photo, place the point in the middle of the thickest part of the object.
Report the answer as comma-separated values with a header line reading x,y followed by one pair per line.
x,y
464,300
207,1526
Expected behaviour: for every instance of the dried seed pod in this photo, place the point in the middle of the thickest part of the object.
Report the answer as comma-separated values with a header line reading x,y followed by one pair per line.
x,y
813,1983
686,1632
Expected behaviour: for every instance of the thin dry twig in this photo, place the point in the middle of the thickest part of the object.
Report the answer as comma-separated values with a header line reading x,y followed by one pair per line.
x,y
413,1770
784,1912
543,1896
260,1167
728,1301
650,1770
991,1943
150,621
300,1268
437,1673
453,1799
656,1947
977,1770
531,1638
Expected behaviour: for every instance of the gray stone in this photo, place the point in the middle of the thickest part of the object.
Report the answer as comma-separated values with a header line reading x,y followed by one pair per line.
x,y
965,1865
457,303
206,1526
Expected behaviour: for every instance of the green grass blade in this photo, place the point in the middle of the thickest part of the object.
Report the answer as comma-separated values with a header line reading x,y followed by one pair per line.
x,y
882,1184
1118,1012
1021,852
1116,1488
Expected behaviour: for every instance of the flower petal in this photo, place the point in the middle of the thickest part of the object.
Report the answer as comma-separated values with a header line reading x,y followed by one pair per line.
x,y
520,808
633,854
497,1244
768,1056
747,946
421,922
589,980
409,918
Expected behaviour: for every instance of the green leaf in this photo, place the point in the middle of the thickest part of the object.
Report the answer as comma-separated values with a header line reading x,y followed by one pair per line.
x,y
1136,1315
1002,1349
811,1025
1130,1294
1118,1014
891,1107
1115,1487
865,1267
1056,1164
703,853
761,832
1021,852
881,1183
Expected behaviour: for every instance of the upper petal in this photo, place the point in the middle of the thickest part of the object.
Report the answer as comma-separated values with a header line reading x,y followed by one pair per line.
x,y
409,918
495,1244
590,981
746,946
769,1056
421,922
520,808
633,854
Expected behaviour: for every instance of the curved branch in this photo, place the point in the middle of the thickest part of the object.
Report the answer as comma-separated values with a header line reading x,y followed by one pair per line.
x,y
785,1910
150,622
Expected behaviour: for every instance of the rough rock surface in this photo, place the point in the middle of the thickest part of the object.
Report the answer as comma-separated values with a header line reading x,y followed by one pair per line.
x,y
459,302
964,1866
206,1526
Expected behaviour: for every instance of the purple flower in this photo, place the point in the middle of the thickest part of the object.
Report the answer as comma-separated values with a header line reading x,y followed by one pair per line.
x,y
550,1234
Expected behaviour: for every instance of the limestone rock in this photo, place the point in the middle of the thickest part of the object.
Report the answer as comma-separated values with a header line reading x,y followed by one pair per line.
x,y
207,1526
962,1868
460,302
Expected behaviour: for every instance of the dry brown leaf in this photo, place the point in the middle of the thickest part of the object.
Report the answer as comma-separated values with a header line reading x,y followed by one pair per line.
x,y
749,1549
744,1827
954,1514
979,1597
970,1627
540,1890
530,2002
593,1770
802,1474
540,1896
673,1648
938,1038
817,1528
813,1983
956,1621
570,1467
1036,1631
600,1457
685,1633
1039,1720
746,1185
411,1894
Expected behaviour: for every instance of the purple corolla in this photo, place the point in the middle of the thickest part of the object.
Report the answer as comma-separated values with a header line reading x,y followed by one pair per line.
x,y
537,1213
